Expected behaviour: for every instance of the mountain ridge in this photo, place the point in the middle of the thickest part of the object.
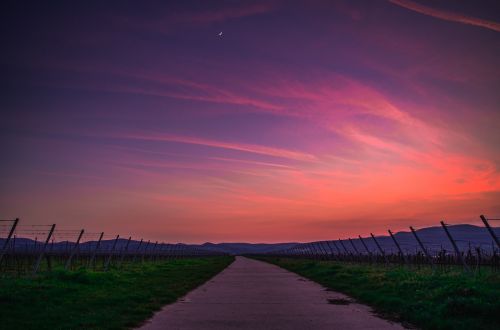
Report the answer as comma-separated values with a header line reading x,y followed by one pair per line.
x,y
433,237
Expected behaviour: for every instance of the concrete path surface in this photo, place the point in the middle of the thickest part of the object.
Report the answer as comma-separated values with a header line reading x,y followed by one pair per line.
x,y
251,294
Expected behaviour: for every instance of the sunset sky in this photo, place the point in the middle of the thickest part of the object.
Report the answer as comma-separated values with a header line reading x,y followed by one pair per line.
x,y
305,120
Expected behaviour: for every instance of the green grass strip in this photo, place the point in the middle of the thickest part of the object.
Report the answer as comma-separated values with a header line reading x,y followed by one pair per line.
x,y
116,299
439,300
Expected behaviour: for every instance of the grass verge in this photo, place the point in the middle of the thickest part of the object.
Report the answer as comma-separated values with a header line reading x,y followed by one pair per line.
x,y
95,300
450,300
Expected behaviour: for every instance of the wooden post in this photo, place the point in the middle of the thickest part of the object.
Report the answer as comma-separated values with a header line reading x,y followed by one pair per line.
x,y
40,256
316,253
48,253
321,248
338,249
137,251
98,244
364,244
153,251
174,250
6,243
322,251
329,249
380,248
427,255
49,262
307,250
75,248
398,246
108,261
165,254
333,253
183,249
13,248
354,247
144,252
295,249
160,252
343,246
490,230
124,251
310,253
455,247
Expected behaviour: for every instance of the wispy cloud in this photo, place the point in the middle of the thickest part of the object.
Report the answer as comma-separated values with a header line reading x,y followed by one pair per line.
x,y
219,159
194,90
150,83
233,160
252,148
446,15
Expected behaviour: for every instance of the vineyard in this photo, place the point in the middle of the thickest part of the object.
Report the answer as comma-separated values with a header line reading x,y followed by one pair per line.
x,y
29,249
444,247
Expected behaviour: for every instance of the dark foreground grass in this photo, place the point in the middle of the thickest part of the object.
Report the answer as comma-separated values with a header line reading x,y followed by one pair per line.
x,y
450,300
96,300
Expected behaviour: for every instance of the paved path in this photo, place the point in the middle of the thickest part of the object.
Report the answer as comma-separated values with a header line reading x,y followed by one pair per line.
x,y
251,294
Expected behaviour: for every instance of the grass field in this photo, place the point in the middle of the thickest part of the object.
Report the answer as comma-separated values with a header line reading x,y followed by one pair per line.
x,y
97,300
428,300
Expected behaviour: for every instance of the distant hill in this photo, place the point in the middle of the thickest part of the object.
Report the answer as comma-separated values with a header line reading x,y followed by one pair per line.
x,y
434,239
247,248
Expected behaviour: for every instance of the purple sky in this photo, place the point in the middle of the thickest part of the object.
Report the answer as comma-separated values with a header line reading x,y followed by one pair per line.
x,y
305,120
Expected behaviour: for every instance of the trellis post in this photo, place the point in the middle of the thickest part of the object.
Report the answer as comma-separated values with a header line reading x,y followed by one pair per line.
x,y
124,251
144,252
98,244
153,251
333,253
108,261
329,249
490,230
455,247
73,251
355,248
365,246
380,248
398,246
137,251
346,251
427,255
6,243
40,256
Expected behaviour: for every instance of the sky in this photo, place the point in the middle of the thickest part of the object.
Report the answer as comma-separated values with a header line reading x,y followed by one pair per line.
x,y
304,120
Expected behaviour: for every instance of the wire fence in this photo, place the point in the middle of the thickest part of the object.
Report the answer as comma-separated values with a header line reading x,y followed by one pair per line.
x,y
445,248
29,249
